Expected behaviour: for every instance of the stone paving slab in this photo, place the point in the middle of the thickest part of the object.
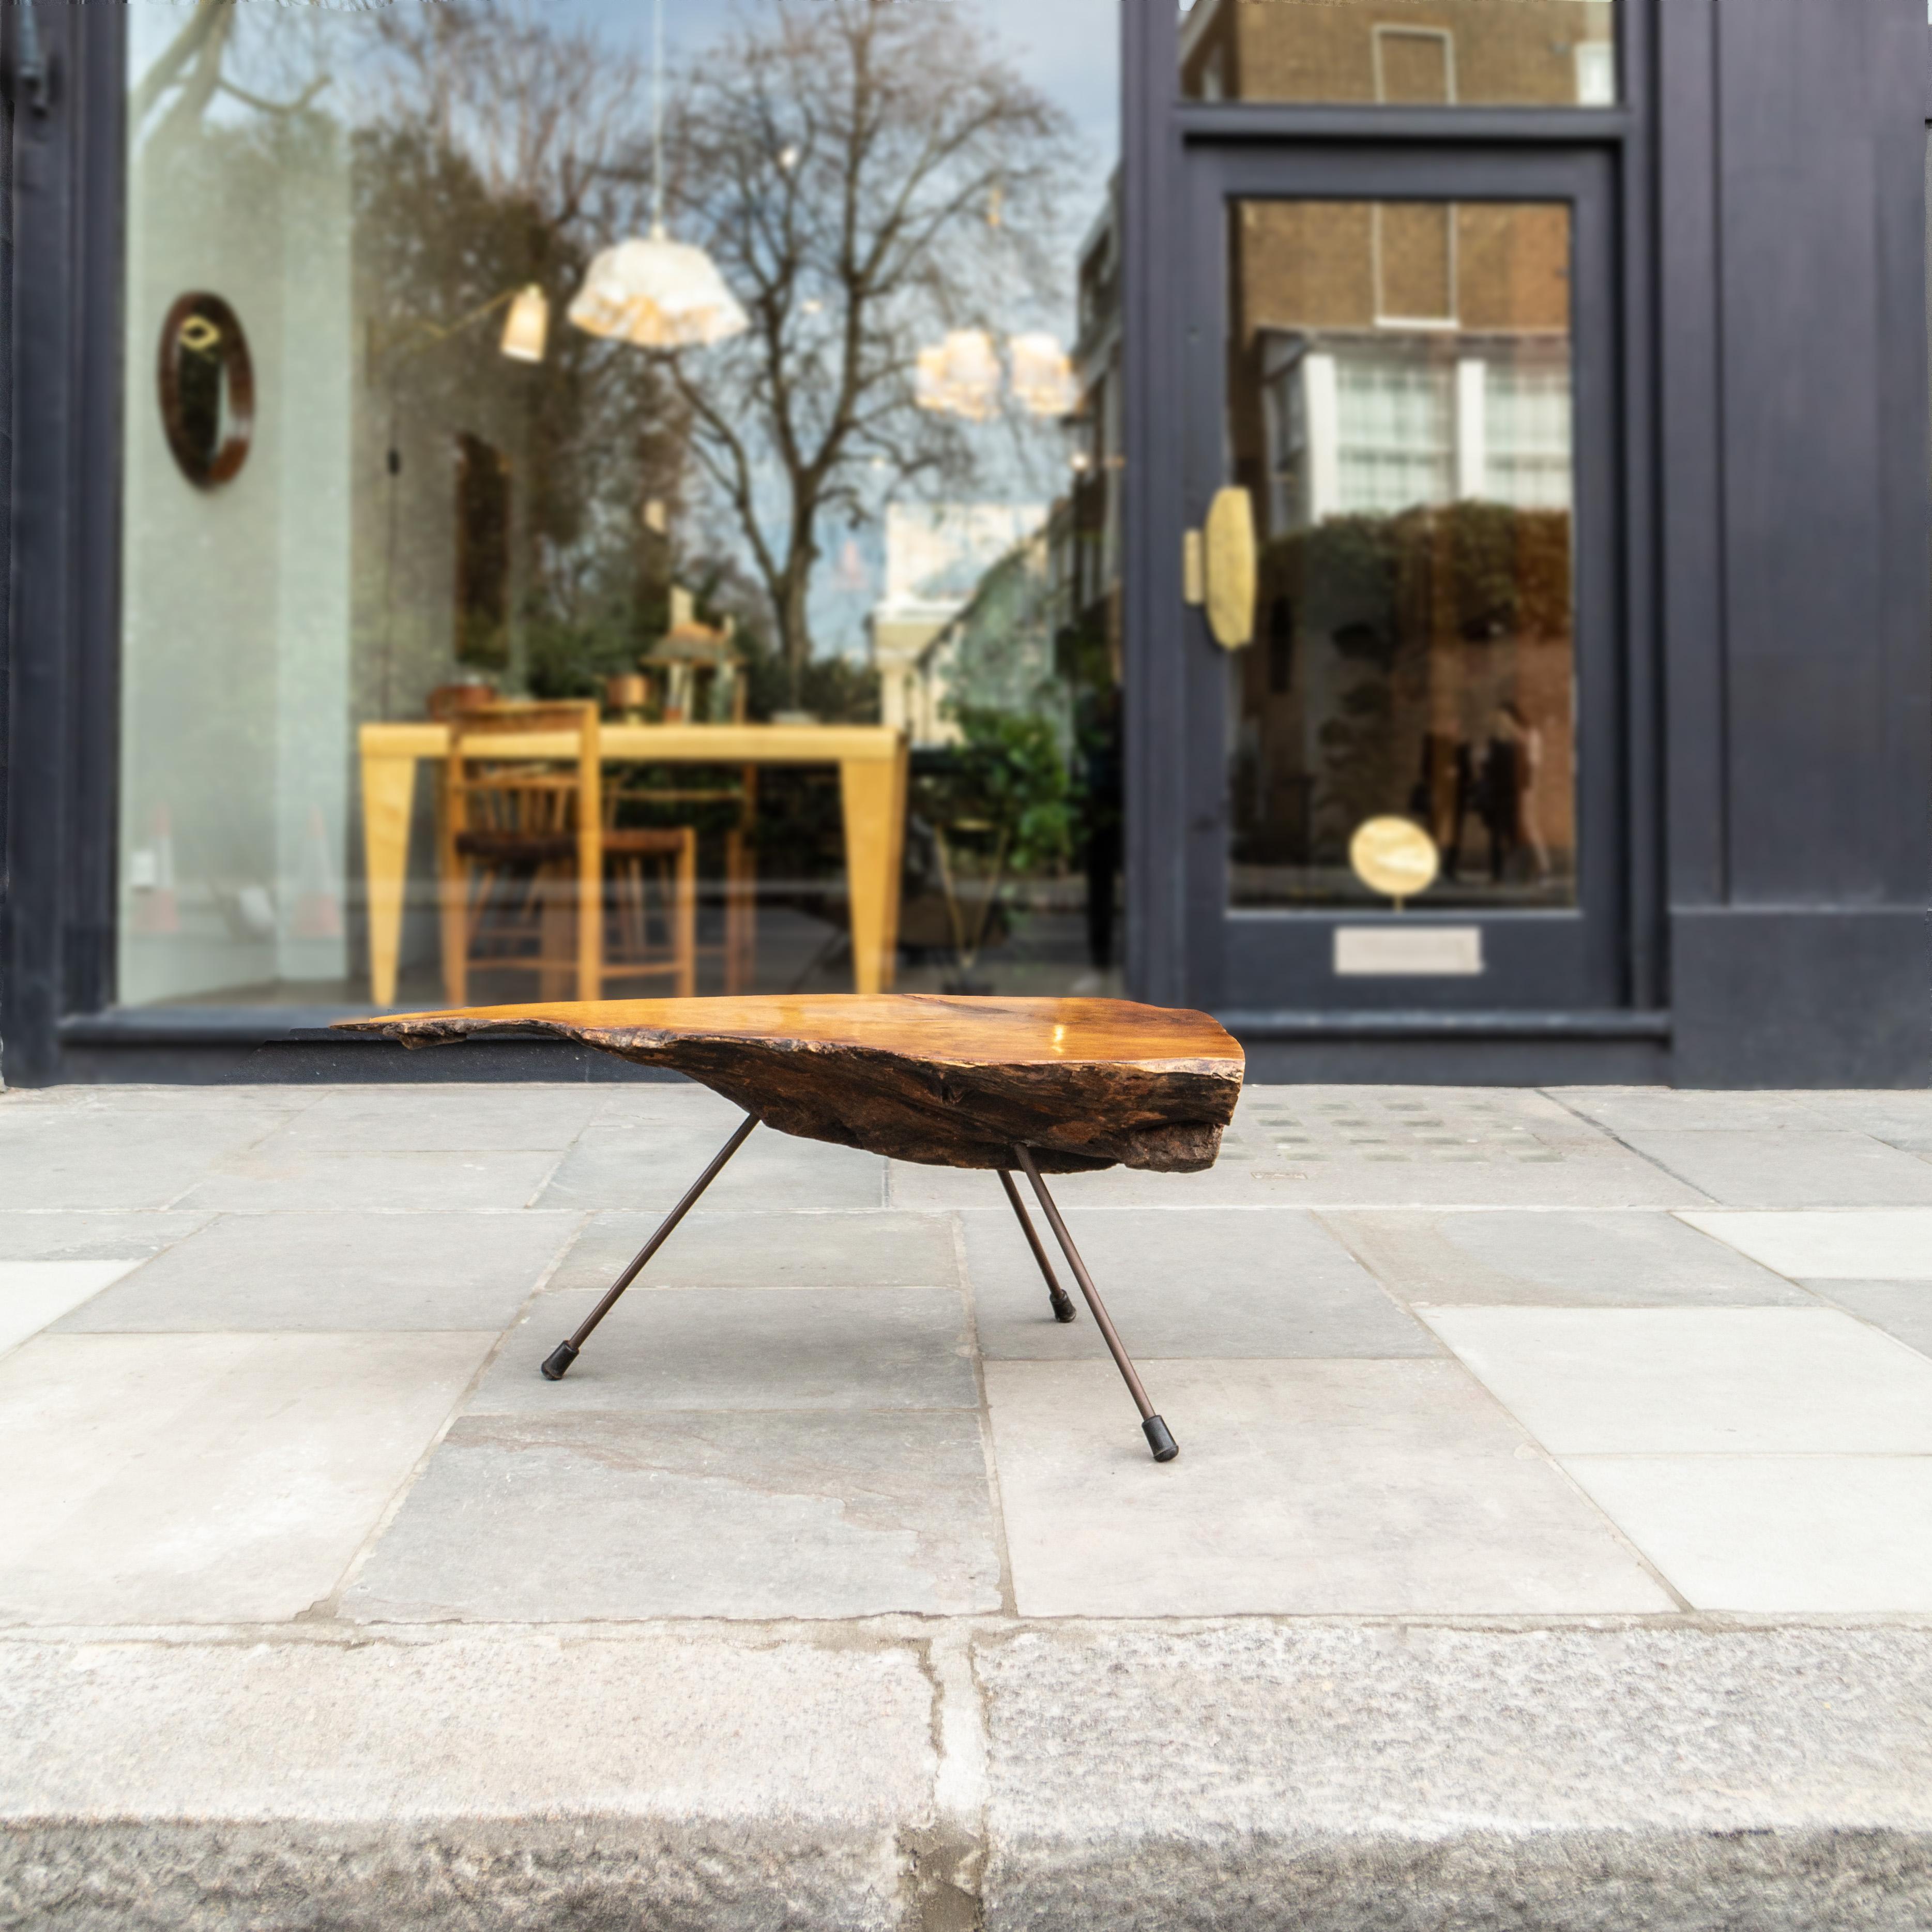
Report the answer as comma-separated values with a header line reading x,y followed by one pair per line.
x,y
1790,1167
54,1234
100,1159
1903,1309
151,1478
768,1250
797,1348
1270,1284
34,1295
1775,1534
274,1178
342,1271
1853,1243
734,1515
1303,1488
441,1120
645,1166
1504,1259
1697,1381
1900,1119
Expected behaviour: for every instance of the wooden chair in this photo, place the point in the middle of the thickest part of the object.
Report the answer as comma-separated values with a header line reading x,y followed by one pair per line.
x,y
696,674
737,955
637,858
522,850
526,844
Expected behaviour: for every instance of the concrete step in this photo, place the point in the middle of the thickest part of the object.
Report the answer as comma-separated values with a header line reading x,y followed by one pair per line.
x,y
1247,1776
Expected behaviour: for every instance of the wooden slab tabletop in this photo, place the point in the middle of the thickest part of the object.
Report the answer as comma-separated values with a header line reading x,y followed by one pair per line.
x,y
947,1081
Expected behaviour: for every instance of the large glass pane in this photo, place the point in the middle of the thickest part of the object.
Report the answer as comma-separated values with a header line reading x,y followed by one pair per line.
x,y
1409,53
427,413
1399,389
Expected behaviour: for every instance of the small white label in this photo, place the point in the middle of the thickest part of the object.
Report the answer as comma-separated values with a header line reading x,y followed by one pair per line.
x,y
1408,952
144,869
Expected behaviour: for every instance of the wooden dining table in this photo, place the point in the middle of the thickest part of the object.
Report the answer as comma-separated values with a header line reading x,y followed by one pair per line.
x,y
872,761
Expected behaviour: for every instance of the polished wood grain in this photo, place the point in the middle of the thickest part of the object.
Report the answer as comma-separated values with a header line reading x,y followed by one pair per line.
x,y
948,1082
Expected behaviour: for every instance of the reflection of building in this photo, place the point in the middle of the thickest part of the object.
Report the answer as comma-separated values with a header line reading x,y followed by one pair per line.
x,y
1402,353
997,653
1391,361
1086,530
1552,52
937,556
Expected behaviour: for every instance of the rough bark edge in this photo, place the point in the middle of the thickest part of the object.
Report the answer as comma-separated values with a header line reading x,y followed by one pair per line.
x,y
1162,1116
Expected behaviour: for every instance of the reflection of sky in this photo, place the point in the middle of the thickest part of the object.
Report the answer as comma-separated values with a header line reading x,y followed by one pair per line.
x,y
1068,48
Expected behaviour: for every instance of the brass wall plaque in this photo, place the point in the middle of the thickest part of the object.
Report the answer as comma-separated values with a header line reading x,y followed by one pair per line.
x,y
1231,580
1393,856
1415,950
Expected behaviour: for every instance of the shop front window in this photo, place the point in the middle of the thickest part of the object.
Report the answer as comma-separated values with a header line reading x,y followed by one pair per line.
x,y
1401,415
1402,53
478,359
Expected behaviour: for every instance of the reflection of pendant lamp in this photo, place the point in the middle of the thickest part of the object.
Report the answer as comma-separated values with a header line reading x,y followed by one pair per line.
x,y
1042,375
527,328
960,377
658,293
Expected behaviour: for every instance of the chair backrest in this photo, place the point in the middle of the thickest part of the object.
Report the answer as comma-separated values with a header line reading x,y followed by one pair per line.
x,y
493,788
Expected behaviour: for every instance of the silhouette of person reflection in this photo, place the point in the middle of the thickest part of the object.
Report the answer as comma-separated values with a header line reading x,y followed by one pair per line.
x,y
1511,765
1444,795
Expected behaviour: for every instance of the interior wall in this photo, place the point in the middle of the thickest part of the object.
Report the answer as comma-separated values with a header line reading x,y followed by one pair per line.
x,y
235,630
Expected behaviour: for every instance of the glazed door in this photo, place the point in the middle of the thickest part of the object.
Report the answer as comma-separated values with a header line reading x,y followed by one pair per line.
x,y
1403,634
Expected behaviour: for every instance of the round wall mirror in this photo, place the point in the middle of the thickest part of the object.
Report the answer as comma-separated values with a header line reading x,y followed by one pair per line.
x,y
207,389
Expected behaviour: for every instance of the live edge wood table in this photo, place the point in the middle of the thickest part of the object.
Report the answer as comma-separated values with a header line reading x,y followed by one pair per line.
x,y
1043,1086
872,761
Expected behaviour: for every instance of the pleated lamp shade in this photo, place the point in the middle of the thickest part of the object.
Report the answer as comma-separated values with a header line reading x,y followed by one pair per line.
x,y
1043,378
658,293
960,376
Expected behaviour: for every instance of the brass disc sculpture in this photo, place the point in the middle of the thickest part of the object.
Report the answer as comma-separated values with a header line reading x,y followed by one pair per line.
x,y
1394,856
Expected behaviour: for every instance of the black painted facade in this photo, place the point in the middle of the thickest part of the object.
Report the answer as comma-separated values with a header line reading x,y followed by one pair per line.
x,y
1756,584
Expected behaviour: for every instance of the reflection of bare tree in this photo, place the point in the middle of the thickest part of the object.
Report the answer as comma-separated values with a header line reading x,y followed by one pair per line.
x,y
864,174
192,69
540,113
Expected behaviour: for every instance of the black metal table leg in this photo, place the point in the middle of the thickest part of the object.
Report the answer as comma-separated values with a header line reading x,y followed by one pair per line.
x,y
1160,1438
1063,1309
558,1366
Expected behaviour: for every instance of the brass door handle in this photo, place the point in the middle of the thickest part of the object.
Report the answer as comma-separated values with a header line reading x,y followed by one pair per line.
x,y
1229,570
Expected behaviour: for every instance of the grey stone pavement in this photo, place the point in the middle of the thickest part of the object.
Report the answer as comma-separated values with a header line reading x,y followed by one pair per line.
x,y
1551,1543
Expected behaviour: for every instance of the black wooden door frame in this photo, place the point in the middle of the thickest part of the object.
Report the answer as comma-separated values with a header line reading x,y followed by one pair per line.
x,y
1541,961
1173,788
60,651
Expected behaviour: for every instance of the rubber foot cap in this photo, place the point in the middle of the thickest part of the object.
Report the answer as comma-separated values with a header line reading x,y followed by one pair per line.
x,y
1159,1439
558,1366
1063,1309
